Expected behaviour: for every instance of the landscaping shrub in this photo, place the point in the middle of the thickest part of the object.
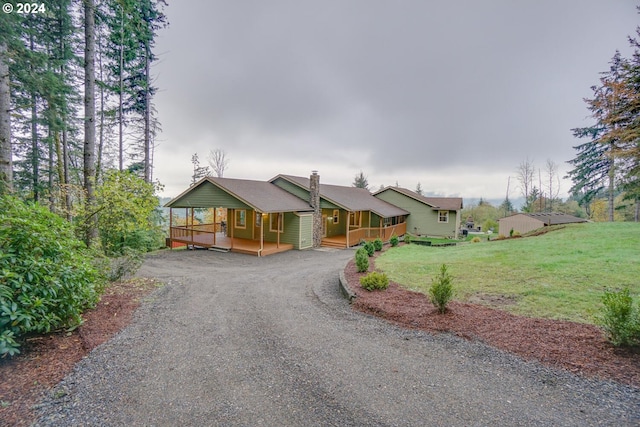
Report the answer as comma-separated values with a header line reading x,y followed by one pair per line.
x,y
377,244
369,248
618,318
362,260
407,238
475,240
374,280
441,290
394,241
46,275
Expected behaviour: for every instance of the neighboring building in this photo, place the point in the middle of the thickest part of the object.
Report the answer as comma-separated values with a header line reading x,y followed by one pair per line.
x,y
526,222
430,216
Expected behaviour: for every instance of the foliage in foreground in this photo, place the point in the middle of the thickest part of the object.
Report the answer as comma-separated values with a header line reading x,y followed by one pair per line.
x,y
126,205
619,319
46,275
374,280
394,241
441,290
377,244
362,260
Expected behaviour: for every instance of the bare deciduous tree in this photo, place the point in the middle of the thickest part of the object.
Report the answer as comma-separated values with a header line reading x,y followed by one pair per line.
x,y
6,169
553,181
218,161
524,174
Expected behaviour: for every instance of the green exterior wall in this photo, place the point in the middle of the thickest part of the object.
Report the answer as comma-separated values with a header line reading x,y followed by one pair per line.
x,y
335,229
306,232
208,195
301,193
423,219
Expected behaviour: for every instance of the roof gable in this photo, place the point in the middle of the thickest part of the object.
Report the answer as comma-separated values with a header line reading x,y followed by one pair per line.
x,y
349,198
436,203
258,195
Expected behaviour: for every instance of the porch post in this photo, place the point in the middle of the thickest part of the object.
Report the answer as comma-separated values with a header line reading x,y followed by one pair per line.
x,y
233,215
261,235
215,226
380,235
347,225
170,228
278,230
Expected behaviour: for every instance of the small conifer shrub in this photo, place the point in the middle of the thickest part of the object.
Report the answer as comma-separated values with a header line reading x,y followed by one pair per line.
x,y
441,290
394,241
377,244
362,260
374,280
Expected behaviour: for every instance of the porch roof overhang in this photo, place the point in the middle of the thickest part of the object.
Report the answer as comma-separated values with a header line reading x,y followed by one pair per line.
x,y
263,197
435,203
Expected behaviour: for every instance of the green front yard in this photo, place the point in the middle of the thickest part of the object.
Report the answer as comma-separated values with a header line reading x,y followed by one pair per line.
x,y
558,275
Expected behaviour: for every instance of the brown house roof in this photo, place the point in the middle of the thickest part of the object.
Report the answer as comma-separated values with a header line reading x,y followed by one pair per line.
x,y
552,218
350,198
262,196
437,203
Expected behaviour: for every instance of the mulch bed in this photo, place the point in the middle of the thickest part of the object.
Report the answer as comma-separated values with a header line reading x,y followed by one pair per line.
x,y
576,347
46,359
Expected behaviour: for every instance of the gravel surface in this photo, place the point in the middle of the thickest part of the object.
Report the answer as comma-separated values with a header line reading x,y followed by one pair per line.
x,y
245,341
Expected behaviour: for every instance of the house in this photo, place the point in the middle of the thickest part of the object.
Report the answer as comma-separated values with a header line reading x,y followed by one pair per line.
x,y
261,218
292,212
526,222
348,215
430,216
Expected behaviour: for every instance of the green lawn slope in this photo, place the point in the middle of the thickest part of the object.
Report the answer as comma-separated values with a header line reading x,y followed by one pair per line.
x,y
559,275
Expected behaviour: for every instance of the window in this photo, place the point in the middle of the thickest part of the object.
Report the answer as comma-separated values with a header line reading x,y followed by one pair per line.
x,y
356,219
443,216
275,222
336,216
241,219
258,219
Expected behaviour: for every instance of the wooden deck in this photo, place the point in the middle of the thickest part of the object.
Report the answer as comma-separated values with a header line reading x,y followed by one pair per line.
x,y
358,234
222,242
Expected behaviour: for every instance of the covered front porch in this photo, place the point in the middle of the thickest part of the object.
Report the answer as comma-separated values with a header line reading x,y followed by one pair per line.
x,y
358,234
204,236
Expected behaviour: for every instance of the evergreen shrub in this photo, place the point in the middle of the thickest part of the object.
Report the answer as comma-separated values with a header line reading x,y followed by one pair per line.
x,y
407,238
394,241
377,244
47,277
374,280
618,318
362,260
441,290
369,248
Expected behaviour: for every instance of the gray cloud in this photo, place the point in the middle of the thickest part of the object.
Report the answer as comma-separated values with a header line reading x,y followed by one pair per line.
x,y
395,88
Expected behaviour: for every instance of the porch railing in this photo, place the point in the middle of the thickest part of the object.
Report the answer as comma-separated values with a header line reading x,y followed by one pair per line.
x,y
187,233
372,233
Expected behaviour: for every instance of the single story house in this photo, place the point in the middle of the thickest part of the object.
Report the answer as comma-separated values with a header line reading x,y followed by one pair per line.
x,y
526,222
430,216
292,212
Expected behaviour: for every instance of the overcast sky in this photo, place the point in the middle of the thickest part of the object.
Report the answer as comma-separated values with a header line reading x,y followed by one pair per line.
x,y
451,94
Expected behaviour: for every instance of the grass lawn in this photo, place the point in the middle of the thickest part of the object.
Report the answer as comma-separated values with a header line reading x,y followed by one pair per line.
x,y
560,275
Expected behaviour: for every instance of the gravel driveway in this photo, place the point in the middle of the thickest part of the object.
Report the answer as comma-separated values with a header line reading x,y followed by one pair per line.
x,y
244,341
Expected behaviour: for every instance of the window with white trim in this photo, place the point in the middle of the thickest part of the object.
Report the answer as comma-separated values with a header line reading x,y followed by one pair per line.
x,y
443,216
336,216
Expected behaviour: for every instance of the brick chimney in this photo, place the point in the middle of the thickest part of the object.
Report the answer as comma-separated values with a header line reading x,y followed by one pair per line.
x,y
314,201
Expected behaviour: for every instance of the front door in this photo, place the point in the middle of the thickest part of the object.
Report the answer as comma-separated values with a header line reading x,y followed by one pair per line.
x,y
324,226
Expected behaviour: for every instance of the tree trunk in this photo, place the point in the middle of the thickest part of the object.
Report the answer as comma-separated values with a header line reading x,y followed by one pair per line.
x,y
121,95
89,118
6,167
147,115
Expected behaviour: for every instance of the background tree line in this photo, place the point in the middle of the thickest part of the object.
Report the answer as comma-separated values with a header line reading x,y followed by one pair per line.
x,y
607,164
78,203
